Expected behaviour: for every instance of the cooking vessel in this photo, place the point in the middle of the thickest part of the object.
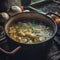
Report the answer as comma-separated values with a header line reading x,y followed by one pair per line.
x,y
31,50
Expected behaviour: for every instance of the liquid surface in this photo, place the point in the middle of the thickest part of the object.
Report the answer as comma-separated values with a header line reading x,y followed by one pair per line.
x,y
30,32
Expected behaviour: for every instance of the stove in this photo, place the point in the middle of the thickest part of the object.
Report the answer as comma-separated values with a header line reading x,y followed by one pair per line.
x,y
53,54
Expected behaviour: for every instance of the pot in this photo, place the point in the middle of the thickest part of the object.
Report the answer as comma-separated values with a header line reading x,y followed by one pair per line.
x,y
31,50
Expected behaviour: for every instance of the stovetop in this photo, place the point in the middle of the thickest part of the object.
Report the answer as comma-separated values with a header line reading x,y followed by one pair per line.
x,y
53,54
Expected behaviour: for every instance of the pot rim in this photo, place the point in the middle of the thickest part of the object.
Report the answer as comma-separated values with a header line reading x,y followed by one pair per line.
x,y
37,43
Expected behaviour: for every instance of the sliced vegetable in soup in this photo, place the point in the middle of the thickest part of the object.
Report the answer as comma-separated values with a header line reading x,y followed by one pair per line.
x,y
30,32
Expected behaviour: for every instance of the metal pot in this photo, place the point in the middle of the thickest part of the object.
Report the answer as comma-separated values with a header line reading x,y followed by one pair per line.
x,y
29,50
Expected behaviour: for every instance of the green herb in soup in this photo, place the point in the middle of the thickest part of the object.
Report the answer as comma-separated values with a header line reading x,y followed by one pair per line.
x,y
30,32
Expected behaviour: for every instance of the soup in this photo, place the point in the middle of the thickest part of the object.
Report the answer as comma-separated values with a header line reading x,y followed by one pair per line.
x,y
29,32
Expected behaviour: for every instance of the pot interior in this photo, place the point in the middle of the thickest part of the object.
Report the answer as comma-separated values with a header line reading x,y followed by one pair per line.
x,y
26,17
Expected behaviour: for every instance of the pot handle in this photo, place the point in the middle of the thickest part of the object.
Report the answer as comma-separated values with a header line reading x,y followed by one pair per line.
x,y
9,52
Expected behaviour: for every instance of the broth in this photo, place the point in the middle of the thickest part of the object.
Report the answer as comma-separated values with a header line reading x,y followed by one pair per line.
x,y
30,32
